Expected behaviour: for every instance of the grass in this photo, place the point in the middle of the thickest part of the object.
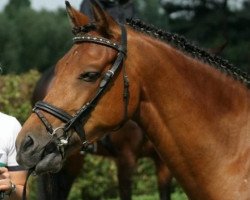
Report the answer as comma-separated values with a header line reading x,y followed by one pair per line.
x,y
174,196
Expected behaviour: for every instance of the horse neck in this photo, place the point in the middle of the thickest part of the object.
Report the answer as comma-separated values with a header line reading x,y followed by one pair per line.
x,y
196,117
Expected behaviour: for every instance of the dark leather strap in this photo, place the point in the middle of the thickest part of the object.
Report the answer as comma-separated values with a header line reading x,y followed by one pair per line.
x,y
57,112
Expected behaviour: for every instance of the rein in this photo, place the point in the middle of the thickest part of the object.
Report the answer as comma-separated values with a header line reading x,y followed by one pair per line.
x,y
78,120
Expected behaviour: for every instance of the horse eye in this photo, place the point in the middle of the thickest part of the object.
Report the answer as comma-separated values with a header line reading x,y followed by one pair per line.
x,y
89,76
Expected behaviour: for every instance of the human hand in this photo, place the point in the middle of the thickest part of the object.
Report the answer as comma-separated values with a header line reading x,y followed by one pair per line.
x,y
5,181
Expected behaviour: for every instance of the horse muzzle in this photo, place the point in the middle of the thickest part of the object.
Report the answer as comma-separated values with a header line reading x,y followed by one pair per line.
x,y
41,158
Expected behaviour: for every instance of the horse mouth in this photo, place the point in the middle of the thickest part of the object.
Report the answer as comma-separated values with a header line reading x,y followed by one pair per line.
x,y
51,162
48,159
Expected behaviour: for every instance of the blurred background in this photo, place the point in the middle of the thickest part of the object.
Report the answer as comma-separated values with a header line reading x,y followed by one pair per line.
x,y
34,34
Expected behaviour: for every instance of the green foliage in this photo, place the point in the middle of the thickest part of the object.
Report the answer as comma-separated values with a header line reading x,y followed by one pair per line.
x,y
14,5
141,197
98,180
46,34
151,12
16,92
211,23
145,180
177,192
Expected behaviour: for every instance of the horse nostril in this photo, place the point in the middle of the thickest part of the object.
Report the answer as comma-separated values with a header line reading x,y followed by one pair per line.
x,y
28,142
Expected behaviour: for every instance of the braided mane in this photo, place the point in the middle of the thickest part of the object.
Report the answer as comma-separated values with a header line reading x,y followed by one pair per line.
x,y
182,44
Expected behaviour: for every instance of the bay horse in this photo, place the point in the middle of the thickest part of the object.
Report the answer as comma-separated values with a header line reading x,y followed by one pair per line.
x,y
125,146
193,106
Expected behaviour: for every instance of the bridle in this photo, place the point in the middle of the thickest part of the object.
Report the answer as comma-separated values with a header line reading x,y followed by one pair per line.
x,y
60,135
77,121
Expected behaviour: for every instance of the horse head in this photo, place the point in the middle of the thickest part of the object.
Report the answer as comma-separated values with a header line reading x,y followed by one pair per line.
x,y
89,94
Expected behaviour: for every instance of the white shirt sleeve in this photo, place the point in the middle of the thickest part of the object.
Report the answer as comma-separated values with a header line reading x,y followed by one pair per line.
x,y
11,153
9,129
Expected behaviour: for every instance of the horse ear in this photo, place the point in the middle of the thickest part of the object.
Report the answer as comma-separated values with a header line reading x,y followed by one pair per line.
x,y
105,22
76,17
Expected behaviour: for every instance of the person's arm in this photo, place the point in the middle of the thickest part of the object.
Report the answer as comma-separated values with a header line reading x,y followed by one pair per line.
x,y
12,183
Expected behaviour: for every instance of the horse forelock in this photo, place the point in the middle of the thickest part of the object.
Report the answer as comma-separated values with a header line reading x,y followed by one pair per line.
x,y
182,44
79,30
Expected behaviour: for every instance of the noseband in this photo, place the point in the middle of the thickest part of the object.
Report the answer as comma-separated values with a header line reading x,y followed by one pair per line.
x,y
77,121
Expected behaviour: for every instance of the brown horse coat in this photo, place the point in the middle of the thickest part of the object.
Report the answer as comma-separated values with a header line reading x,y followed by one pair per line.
x,y
196,116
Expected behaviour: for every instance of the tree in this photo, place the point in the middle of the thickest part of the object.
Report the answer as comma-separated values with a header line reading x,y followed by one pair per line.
x,y
212,23
15,5
152,12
